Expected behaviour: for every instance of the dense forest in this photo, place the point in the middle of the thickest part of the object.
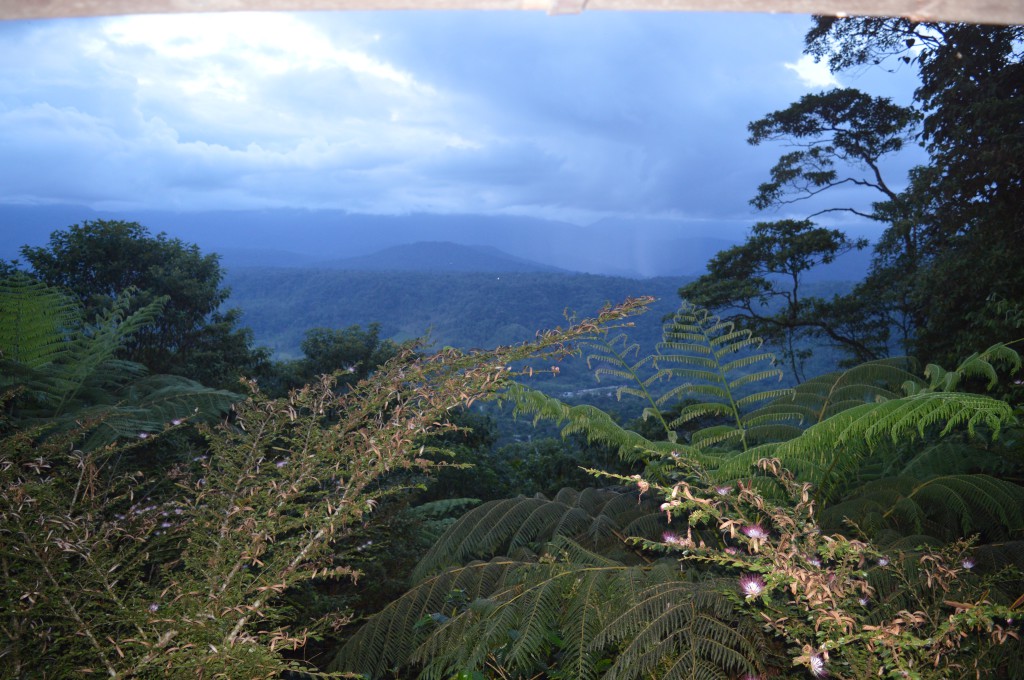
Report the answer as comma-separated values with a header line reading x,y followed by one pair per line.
x,y
177,501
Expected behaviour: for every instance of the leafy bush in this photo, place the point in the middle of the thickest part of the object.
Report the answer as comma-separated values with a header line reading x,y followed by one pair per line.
x,y
103,576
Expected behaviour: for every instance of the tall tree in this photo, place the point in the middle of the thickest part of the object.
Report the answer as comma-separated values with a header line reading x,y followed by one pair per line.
x,y
351,354
759,281
840,129
971,199
193,336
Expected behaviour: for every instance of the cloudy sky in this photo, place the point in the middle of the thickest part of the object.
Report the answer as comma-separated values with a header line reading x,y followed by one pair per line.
x,y
569,117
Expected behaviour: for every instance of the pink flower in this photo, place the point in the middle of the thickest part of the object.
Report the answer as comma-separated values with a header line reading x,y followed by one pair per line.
x,y
723,490
671,538
883,561
732,550
752,585
755,531
863,601
817,664
154,607
967,563
814,561
280,463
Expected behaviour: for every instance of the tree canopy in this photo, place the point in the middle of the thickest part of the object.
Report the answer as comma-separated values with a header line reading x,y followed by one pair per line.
x,y
193,336
946,253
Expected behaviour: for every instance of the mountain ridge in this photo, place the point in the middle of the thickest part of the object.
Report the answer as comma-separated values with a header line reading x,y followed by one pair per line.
x,y
431,256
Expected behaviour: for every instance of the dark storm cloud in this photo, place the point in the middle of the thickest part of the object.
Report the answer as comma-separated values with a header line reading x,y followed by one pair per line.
x,y
575,117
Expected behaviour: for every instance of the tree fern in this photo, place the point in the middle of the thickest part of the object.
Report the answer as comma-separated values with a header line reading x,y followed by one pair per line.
x,y
574,598
822,397
611,358
700,357
592,422
979,365
517,616
35,321
501,527
714,360
680,629
945,507
828,453
71,373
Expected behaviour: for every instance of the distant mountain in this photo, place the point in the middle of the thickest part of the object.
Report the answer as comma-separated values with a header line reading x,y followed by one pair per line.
x,y
439,256
635,248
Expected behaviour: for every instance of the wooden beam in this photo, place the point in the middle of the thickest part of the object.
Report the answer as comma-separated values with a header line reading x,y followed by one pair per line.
x,y
975,11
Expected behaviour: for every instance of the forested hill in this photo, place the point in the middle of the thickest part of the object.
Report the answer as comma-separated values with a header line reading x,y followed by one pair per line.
x,y
461,309
433,256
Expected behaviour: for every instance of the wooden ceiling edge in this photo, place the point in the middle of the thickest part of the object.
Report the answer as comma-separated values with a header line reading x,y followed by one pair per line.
x,y
977,11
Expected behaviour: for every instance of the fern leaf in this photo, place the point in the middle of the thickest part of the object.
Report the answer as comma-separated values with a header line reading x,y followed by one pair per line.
x,y
35,321
499,527
679,629
936,506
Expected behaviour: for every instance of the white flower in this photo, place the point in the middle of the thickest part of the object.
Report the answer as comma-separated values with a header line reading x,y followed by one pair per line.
x,y
818,669
755,531
752,585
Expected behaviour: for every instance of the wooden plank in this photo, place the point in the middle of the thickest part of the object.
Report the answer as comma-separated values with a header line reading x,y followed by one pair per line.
x,y
977,11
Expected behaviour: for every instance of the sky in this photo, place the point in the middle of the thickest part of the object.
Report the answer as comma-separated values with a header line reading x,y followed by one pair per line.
x,y
576,118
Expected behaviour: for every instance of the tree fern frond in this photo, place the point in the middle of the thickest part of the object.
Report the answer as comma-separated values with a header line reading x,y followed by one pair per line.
x,y
978,365
824,396
390,638
948,457
953,505
701,410
35,321
758,376
751,360
612,373
681,629
498,527
865,426
597,425
156,402
751,399
713,436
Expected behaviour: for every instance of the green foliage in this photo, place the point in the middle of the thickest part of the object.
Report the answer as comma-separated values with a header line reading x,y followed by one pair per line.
x,y
945,507
103,575
706,358
824,429
35,320
70,373
940,258
822,397
96,261
928,615
351,354
714,360
560,609
595,517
